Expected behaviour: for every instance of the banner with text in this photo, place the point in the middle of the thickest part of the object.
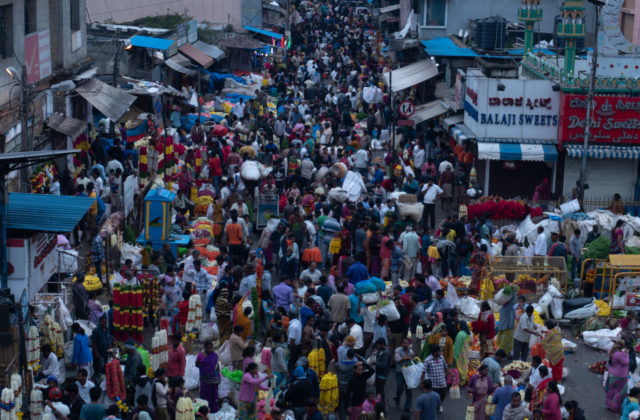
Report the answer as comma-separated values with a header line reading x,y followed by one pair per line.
x,y
615,119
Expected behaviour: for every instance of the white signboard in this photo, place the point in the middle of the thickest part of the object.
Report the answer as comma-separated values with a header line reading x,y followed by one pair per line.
x,y
520,109
42,260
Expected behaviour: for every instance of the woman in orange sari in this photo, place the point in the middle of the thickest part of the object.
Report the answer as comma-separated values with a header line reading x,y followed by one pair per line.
x,y
553,349
241,314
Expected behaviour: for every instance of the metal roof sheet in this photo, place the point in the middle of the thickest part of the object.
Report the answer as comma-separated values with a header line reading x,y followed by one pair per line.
x,y
410,75
196,55
263,32
66,125
211,50
112,102
46,213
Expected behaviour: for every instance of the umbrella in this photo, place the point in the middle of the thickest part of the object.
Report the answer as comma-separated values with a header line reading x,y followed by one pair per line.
x,y
220,130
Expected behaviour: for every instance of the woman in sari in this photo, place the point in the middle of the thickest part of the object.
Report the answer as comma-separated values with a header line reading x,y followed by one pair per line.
x,y
241,314
375,242
461,355
616,384
617,238
540,390
248,393
477,259
385,256
480,386
553,349
207,362
485,327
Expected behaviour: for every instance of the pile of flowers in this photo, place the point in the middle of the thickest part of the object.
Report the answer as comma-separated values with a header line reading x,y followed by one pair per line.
x,y
502,209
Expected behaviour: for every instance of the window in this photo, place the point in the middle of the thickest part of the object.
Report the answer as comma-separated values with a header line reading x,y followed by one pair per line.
x,y
30,17
75,14
433,13
6,31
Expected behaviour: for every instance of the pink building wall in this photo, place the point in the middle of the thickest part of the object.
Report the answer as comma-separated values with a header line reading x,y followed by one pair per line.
x,y
120,11
630,20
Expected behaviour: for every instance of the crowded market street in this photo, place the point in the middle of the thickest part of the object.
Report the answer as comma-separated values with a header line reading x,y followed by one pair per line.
x,y
336,219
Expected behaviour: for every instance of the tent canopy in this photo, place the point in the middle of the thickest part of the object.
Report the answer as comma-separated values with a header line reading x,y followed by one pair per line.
x,y
46,213
112,102
410,75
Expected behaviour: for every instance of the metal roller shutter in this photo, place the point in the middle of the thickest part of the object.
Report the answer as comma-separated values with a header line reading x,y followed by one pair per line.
x,y
604,176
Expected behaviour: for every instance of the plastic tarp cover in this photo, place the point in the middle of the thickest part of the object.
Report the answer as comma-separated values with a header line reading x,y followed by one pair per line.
x,y
354,186
231,86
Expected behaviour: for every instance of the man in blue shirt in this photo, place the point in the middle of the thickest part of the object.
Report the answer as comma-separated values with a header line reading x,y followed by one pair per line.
x,y
356,305
428,403
502,397
357,272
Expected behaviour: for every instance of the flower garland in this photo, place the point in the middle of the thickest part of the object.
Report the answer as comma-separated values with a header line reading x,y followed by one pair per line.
x,y
127,312
143,166
35,404
502,209
194,317
159,349
33,348
256,310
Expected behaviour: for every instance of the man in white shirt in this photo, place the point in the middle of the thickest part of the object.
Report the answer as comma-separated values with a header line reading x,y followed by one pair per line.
x,y
431,193
84,385
540,247
189,273
50,366
522,335
362,161
356,332
294,336
98,184
238,109
418,156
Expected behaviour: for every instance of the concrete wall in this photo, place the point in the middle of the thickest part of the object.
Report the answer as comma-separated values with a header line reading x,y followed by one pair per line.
x,y
66,51
119,11
460,12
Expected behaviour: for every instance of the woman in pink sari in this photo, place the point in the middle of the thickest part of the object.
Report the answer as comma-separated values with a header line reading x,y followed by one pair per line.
x,y
480,387
617,238
616,384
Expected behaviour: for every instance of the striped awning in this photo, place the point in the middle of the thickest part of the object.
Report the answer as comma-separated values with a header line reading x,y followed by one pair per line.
x,y
460,133
522,141
517,151
603,152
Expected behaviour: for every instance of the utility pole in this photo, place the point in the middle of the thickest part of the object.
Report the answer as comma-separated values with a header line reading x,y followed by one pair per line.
x,y
592,81
24,116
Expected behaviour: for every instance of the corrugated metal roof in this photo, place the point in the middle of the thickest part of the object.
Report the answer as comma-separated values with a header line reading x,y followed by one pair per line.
x,y
70,126
211,50
410,75
110,101
196,55
429,110
177,64
150,42
46,213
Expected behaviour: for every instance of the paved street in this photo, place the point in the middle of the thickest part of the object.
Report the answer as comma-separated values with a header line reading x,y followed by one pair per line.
x,y
582,385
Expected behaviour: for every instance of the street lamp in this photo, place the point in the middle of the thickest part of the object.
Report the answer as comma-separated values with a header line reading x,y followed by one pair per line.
x,y
592,80
11,71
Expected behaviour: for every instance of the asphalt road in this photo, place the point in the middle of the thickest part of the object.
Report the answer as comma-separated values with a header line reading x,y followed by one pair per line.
x,y
581,385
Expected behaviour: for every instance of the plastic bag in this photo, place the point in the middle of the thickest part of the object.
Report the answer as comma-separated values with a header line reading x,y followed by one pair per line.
x,y
414,210
224,356
469,307
191,373
556,308
369,298
452,295
226,412
208,332
390,311
412,374
583,313
501,297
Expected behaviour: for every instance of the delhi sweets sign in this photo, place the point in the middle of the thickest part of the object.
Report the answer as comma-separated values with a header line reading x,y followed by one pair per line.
x,y
524,109
615,119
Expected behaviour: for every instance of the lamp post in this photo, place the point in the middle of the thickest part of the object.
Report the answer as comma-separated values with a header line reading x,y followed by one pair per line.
x,y
592,80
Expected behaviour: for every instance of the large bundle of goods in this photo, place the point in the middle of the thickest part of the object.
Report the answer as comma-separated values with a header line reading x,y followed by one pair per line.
x,y
159,350
52,334
127,312
33,348
502,209
151,297
194,316
411,210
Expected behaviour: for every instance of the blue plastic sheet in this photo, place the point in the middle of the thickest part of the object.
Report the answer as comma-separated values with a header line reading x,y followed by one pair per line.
x,y
217,80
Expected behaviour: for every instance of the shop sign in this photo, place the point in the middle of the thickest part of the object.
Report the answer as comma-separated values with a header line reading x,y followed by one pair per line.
x,y
520,109
42,260
37,52
615,119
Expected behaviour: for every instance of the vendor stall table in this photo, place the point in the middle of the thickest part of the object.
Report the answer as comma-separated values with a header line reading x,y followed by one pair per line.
x,y
530,274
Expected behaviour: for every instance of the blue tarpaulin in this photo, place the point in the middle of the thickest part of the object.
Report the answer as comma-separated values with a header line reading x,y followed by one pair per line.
x,y
150,42
218,79
263,32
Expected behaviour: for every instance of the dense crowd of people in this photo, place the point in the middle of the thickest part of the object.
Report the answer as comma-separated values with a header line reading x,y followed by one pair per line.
x,y
316,256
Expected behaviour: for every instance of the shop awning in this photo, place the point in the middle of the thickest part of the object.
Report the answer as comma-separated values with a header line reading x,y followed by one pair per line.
x,y
410,75
511,151
70,126
388,9
429,110
112,102
445,47
603,152
263,32
150,42
180,64
452,120
196,55
460,133
46,213
211,50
